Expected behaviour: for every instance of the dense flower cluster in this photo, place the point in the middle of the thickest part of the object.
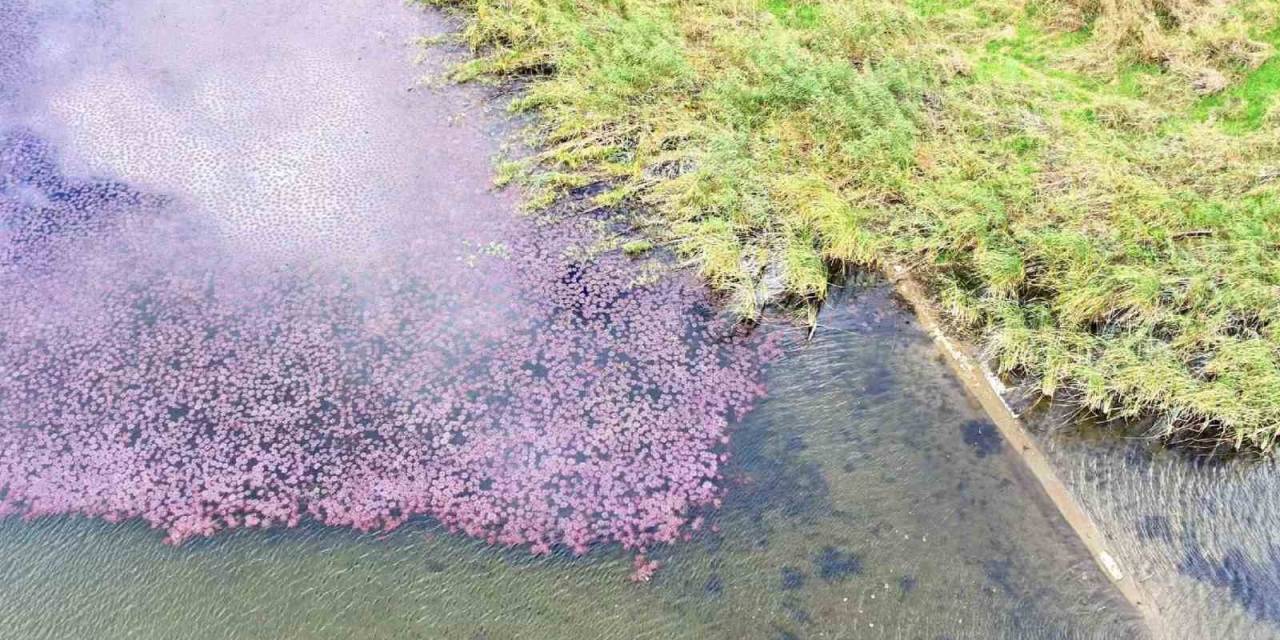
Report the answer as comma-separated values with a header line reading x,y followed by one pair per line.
x,y
512,391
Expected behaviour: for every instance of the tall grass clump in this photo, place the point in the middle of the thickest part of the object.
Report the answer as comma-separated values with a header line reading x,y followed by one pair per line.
x,y
1089,187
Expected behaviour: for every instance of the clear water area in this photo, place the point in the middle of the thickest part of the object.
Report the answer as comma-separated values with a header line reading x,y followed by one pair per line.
x,y
865,496
1202,532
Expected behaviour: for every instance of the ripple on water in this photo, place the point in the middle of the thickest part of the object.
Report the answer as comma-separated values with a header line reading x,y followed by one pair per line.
x,y
1202,531
252,277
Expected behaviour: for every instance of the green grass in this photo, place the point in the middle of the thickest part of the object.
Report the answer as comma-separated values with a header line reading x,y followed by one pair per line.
x,y
1053,170
1245,106
635,248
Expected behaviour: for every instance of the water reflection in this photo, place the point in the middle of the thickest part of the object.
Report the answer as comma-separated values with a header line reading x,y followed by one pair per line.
x,y
866,497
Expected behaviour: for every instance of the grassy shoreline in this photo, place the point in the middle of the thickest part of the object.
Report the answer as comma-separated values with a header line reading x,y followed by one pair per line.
x,y
1088,189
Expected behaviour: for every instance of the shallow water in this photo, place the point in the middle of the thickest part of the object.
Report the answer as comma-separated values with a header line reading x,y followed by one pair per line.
x,y
1202,534
865,496
867,499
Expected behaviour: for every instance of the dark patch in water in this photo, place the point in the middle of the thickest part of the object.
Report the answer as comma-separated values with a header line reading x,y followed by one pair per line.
x,y
792,578
1253,584
590,190
870,308
795,443
835,565
999,573
907,584
64,206
1137,456
1155,528
773,480
879,380
434,566
796,612
982,436
27,160
714,586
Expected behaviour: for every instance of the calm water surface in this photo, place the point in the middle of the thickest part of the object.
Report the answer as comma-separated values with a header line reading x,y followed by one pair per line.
x,y
866,496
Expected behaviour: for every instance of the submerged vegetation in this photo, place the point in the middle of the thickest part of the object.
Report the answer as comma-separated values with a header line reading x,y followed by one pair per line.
x,y
1088,187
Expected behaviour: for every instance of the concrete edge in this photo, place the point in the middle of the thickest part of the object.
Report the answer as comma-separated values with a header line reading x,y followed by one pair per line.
x,y
979,381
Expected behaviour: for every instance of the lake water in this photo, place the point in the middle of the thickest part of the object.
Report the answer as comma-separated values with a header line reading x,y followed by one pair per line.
x,y
253,269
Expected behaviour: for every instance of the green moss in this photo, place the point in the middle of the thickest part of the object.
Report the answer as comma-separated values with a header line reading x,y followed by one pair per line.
x,y
636,248
1109,236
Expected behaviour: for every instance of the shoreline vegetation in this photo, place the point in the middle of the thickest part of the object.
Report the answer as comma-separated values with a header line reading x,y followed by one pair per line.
x,y
1087,188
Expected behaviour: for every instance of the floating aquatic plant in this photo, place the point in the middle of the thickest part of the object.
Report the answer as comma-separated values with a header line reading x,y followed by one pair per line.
x,y
153,372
